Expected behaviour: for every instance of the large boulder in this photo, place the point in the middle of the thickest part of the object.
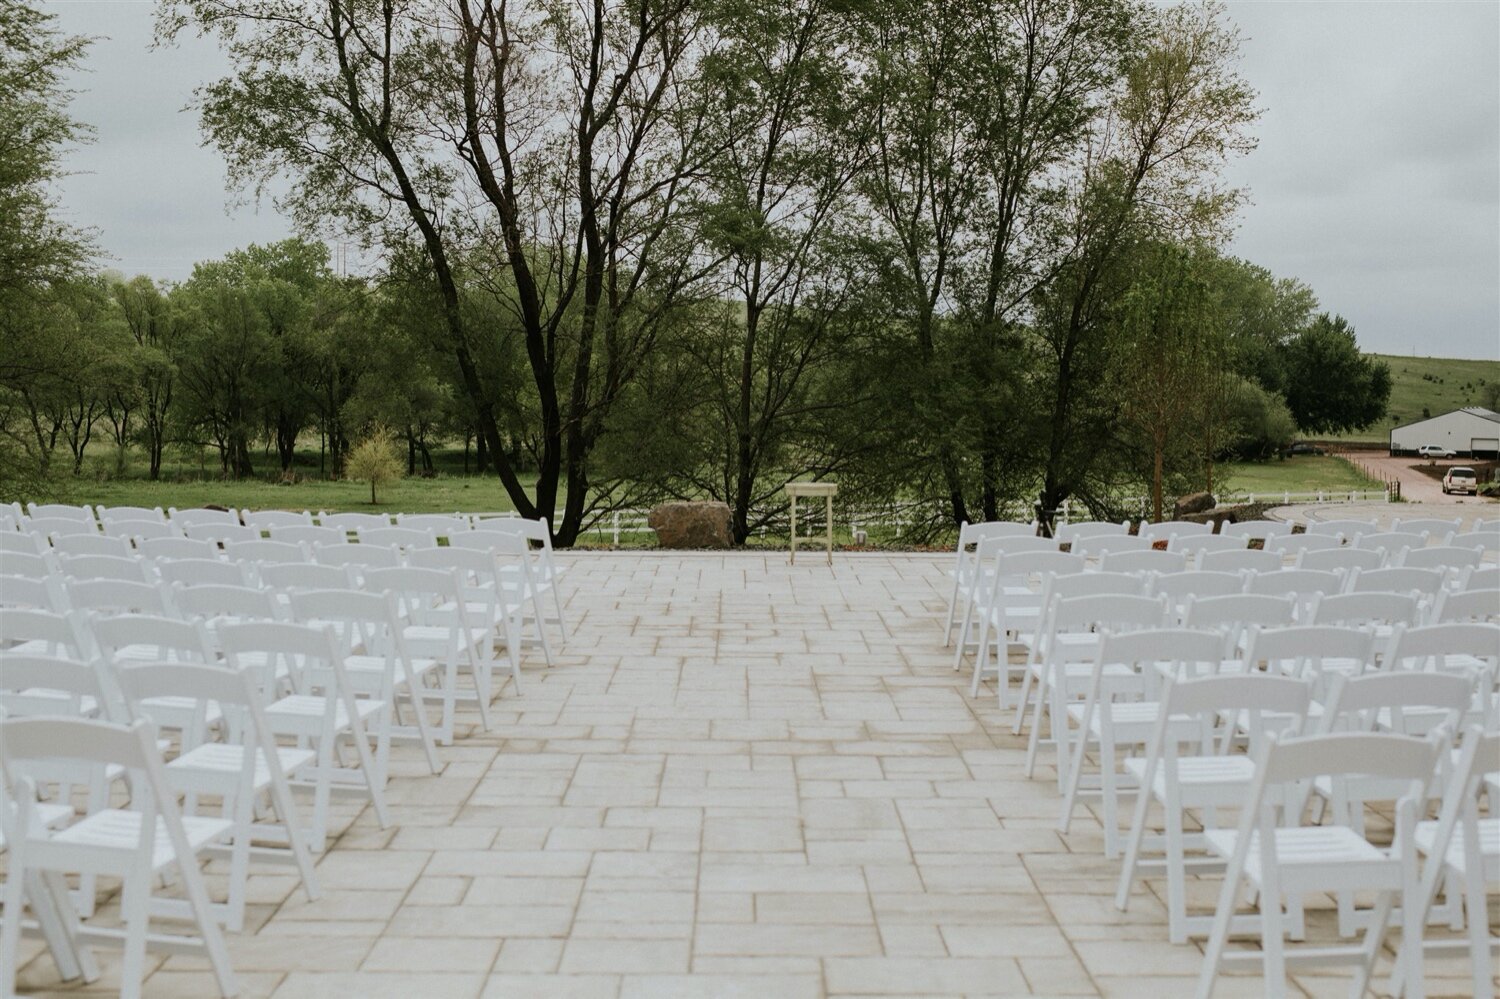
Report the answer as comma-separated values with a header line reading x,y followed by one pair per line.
x,y
1192,503
692,525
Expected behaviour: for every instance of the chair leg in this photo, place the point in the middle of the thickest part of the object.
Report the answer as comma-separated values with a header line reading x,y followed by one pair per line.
x,y
1032,741
1176,855
562,622
1272,938
1218,936
1479,934
952,611
1024,696
135,900
14,896
1370,949
1133,845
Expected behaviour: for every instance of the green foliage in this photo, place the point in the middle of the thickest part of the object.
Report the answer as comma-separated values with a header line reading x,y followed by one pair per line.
x,y
375,460
1260,425
1331,386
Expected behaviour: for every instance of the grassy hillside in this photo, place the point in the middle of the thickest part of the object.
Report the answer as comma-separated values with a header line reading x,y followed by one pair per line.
x,y
1436,383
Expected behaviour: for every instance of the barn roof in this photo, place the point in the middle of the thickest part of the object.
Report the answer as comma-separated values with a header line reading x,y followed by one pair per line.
x,y
1479,411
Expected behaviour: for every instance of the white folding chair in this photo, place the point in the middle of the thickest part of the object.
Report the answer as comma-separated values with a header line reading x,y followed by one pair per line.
x,y
1296,544
1391,541
350,522
1180,587
1202,716
444,525
139,530
974,578
125,568
243,769
1168,529
357,558
178,547
1379,612
1424,582
65,511
1194,546
130,638
1344,560
309,536
1279,857
1484,578
194,517
1437,529
321,712
1007,593
118,596
1442,648
1119,709
1349,529
22,543
106,514
38,594
1070,533
514,573
1486,541
221,605
375,657
1100,545
137,843
1255,529
265,520
1313,652
1304,586
91,544
1463,854
966,563
1146,560
1235,615
267,552
1239,560
45,527
221,534
1467,605
398,538
201,571
486,602
545,572
1446,557
427,602
30,566
41,633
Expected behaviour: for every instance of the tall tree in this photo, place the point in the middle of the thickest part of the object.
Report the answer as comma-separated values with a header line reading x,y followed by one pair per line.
x,y
1330,386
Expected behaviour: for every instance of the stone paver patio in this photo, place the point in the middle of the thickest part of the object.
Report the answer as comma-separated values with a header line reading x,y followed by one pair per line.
x,y
740,778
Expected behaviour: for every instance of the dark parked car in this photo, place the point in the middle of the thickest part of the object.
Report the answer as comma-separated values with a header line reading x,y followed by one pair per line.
x,y
1305,448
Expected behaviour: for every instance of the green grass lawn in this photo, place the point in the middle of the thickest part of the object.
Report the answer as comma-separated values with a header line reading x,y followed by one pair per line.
x,y
1450,383
1301,474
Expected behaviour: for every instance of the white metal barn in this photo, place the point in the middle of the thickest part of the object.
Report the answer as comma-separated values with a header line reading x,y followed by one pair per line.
x,y
1472,431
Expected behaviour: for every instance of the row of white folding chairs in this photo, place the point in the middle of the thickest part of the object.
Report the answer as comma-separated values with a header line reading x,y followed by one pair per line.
x,y
1225,690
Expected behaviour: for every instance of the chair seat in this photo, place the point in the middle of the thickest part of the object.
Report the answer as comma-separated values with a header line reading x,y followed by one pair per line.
x,y
1489,846
120,830
436,634
1314,858
306,711
186,707
1130,721
36,699
1201,780
48,814
217,759
405,671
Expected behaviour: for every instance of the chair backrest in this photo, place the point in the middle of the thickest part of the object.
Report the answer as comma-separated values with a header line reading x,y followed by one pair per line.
x,y
1395,700
1172,528
442,524
30,566
21,543
140,530
308,656
194,571
420,593
969,535
1095,545
305,576
1391,541
1443,647
1350,529
47,526
1240,611
1157,652
1147,560
130,514
496,542
1070,533
216,602
1179,586
1437,529
1117,612
51,634
353,521
304,535
988,548
51,686
221,532
66,511
1486,577
367,622
1361,609
1341,754
264,520
1239,560
1261,529
267,552
194,517
1088,584
118,596
396,537
1304,586
1396,580
1485,541
357,556
1470,605
39,594
1305,650
91,544
1441,557
177,548
1342,559
1291,544
120,567
153,636
1198,544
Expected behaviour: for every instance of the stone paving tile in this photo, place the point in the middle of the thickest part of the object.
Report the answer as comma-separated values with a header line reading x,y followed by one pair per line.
x,y
739,778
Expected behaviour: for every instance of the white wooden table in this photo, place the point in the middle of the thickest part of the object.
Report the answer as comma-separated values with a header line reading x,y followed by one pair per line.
x,y
814,490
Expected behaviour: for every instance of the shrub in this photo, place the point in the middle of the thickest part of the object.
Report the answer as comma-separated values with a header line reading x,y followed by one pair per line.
x,y
375,460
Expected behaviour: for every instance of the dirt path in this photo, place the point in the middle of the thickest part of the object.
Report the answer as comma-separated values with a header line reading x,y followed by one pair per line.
x,y
1415,486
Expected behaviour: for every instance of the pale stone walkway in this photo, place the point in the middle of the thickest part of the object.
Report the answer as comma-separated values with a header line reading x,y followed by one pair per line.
x,y
740,779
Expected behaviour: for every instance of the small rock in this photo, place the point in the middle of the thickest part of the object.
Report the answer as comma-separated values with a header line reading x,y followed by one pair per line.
x,y
692,525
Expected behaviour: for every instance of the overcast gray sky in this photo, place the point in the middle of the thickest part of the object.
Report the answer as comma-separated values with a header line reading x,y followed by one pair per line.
x,y
1377,180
